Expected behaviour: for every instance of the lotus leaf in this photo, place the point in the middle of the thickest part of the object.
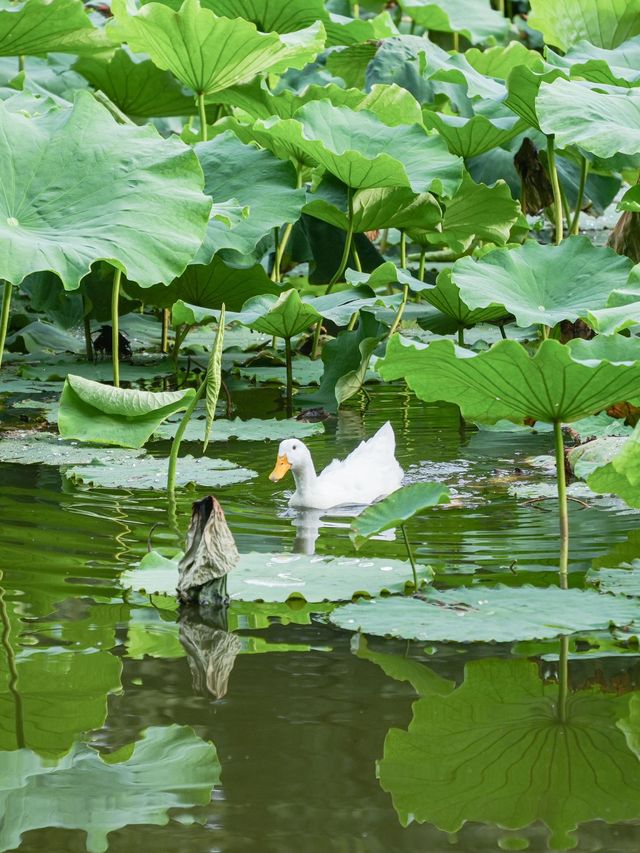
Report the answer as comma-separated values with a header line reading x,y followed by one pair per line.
x,y
423,680
472,136
100,371
619,469
283,316
92,412
624,580
252,178
386,274
305,371
617,67
445,296
541,759
396,509
602,120
523,86
500,61
75,195
474,19
205,52
355,147
341,305
600,426
604,23
150,472
41,26
280,577
26,447
168,768
506,382
543,284
254,429
487,614
136,86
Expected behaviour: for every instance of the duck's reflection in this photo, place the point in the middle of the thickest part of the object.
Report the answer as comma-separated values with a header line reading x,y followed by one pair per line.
x,y
211,649
308,523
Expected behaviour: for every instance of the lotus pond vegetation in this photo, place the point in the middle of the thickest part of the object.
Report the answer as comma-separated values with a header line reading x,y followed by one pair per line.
x,y
396,244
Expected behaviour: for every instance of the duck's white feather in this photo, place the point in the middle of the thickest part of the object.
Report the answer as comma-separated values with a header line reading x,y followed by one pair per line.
x,y
369,472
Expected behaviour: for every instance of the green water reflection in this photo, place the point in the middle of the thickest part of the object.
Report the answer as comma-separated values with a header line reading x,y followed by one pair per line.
x,y
123,723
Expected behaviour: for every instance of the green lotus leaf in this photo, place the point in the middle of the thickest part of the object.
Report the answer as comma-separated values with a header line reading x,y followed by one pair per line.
x,y
614,348
505,382
44,448
140,784
543,284
280,577
346,360
252,178
283,316
544,761
209,287
396,509
523,86
150,472
487,614
476,212
306,371
42,26
474,19
603,23
380,207
472,136
102,414
254,429
339,306
74,195
386,274
100,371
624,580
136,86
585,458
445,296
619,471
601,120
205,52
41,337
499,61
617,67
600,426
363,152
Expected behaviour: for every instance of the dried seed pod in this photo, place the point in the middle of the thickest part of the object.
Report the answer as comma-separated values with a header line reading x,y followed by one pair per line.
x,y
537,192
210,554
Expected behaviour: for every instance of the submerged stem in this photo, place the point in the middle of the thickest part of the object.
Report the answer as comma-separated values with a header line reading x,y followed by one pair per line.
x,y
410,555
203,116
563,679
177,439
561,479
289,361
555,185
115,331
4,317
584,171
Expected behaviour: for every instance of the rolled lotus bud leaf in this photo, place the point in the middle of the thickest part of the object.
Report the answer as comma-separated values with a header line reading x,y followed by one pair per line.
x,y
210,554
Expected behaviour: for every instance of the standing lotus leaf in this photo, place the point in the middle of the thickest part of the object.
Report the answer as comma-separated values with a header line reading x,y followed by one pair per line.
x,y
211,553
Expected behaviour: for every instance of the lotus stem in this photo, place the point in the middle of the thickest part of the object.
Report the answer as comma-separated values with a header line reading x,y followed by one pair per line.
x,y
353,321
4,317
20,63
398,317
203,116
403,249
501,6
12,669
289,362
584,171
503,334
355,10
356,257
563,679
177,439
456,41
423,263
555,185
347,243
561,479
88,341
315,344
282,245
461,336
275,272
164,339
410,555
115,330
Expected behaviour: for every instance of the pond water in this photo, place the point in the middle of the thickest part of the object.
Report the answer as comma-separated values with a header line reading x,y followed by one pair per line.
x,y
508,747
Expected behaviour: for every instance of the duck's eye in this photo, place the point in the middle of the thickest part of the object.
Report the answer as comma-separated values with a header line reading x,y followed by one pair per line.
x,y
295,447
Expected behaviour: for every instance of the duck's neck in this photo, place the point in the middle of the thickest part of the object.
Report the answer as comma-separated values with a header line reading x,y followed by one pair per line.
x,y
305,477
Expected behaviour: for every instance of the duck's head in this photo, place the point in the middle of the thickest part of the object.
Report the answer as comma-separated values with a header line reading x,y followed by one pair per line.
x,y
293,455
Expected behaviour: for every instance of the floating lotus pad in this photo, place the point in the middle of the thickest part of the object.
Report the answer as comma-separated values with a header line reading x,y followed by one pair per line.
x,y
254,429
625,580
150,472
279,577
488,614
28,447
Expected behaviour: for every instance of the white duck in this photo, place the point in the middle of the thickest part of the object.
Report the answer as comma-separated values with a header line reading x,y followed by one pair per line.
x,y
370,471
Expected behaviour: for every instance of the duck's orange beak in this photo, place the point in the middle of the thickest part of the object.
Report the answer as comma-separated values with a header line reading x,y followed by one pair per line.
x,y
282,466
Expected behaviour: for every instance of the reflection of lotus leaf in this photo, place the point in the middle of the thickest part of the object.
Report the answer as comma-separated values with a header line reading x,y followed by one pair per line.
x,y
168,768
497,750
